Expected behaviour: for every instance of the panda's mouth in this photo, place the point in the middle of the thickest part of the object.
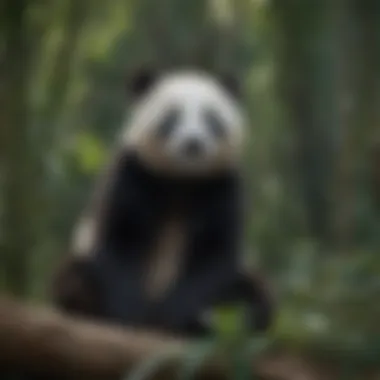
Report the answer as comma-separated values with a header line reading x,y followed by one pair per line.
x,y
193,164
193,150
193,153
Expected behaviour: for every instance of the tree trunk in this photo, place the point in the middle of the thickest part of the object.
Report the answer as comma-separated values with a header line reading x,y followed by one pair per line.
x,y
47,119
305,46
15,148
56,344
359,62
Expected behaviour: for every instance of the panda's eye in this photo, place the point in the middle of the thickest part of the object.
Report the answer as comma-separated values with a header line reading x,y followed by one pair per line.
x,y
168,124
215,124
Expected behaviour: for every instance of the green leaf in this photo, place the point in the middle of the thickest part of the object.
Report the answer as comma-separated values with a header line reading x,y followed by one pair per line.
x,y
228,320
90,152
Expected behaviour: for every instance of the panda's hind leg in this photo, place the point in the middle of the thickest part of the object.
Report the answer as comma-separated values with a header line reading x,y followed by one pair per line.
x,y
256,295
76,289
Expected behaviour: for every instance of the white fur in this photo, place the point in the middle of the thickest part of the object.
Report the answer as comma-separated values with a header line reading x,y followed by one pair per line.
x,y
83,239
191,92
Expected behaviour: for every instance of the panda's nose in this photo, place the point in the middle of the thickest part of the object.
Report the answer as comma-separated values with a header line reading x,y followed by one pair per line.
x,y
192,147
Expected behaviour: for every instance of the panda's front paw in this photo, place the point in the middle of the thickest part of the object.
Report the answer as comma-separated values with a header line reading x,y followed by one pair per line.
x,y
206,320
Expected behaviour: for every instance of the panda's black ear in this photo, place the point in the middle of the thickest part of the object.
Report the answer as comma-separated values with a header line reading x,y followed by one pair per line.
x,y
141,82
232,84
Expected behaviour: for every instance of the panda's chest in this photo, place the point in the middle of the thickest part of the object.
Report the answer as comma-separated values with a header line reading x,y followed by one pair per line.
x,y
166,255
180,229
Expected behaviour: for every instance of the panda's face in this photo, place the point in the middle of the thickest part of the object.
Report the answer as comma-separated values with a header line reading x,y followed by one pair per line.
x,y
187,123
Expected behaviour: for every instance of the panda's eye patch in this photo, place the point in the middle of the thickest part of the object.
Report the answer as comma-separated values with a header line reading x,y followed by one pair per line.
x,y
215,124
168,124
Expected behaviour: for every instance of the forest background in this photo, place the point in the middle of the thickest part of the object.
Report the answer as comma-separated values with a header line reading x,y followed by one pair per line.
x,y
311,74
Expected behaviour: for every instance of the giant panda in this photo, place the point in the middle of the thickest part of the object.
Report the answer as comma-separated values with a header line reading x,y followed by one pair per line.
x,y
160,243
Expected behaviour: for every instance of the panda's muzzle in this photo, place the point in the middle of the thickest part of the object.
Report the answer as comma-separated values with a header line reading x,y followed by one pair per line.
x,y
193,148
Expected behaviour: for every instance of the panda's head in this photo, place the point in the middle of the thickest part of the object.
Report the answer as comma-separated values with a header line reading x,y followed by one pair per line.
x,y
185,123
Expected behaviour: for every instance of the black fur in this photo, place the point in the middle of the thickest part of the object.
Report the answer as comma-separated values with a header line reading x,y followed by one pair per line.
x,y
253,292
144,79
141,82
137,203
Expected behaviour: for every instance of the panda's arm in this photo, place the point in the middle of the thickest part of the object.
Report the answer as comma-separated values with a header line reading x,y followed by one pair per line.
x,y
107,281
212,262
128,221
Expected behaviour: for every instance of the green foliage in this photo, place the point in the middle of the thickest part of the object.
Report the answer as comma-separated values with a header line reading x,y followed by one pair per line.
x,y
229,321
90,153
198,354
151,366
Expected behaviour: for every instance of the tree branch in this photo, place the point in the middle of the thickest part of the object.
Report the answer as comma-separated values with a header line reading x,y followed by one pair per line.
x,y
36,338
